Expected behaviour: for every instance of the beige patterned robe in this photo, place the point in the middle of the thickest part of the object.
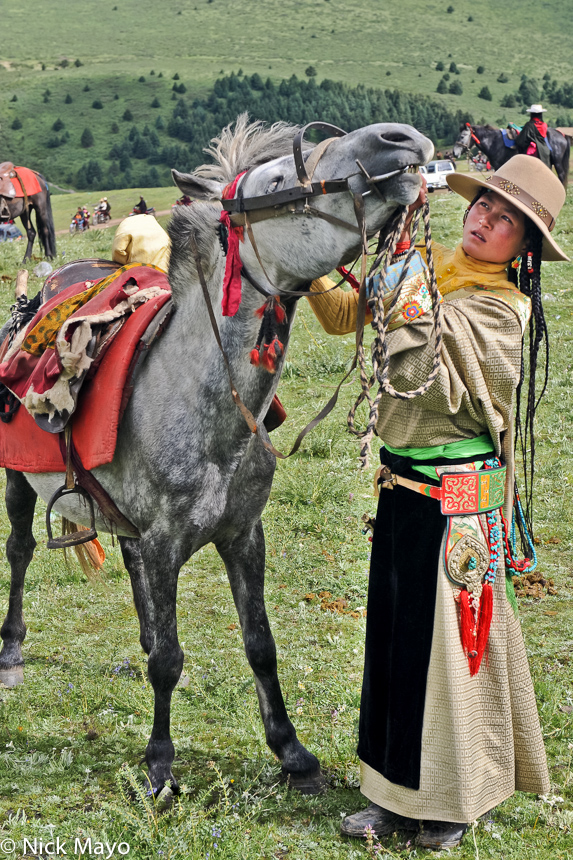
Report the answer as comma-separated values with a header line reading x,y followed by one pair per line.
x,y
481,737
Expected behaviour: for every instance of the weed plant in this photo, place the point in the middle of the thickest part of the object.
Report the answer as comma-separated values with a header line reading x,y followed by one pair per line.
x,y
73,736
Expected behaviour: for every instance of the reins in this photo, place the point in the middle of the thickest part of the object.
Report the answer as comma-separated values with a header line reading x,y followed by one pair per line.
x,y
380,323
242,212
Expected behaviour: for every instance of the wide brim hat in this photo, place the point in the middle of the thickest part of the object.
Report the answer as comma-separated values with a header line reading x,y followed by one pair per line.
x,y
536,109
530,186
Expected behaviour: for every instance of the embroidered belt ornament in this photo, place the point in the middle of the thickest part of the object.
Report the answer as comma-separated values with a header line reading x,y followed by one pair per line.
x,y
474,545
460,492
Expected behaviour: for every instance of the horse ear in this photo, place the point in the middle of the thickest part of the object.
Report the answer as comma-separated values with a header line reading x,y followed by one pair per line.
x,y
196,186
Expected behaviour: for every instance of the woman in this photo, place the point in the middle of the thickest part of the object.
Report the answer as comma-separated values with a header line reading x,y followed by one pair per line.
x,y
448,721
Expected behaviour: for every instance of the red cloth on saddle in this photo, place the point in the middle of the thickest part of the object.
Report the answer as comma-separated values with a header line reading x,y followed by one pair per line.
x,y
27,448
30,181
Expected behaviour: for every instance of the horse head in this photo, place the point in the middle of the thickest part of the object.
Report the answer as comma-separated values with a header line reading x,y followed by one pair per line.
x,y
317,228
462,144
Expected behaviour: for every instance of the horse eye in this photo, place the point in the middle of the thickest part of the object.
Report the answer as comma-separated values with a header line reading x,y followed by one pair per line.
x,y
275,184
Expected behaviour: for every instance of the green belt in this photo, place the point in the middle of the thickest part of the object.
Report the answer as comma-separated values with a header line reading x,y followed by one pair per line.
x,y
470,448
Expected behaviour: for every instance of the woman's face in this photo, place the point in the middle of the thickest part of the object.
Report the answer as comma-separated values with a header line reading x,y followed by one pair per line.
x,y
494,230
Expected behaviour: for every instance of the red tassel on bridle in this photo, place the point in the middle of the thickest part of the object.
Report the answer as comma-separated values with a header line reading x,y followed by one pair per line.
x,y
232,279
268,348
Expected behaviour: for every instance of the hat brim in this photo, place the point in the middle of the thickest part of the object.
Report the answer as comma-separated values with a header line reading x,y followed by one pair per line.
x,y
468,186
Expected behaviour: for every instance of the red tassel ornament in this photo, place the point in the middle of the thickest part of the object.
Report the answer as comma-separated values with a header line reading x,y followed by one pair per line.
x,y
483,626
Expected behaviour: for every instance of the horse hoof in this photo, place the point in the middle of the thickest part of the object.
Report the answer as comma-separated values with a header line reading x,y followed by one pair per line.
x,y
12,677
306,783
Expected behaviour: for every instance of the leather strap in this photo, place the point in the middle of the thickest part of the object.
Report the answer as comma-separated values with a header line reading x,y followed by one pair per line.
x,y
21,181
287,195
88,482
360,324
303,176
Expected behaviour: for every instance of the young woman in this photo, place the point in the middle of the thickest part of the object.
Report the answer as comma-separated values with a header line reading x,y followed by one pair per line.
x,y
448,720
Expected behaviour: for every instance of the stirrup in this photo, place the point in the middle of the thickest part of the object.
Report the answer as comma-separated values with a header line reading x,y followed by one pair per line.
x,y
74,538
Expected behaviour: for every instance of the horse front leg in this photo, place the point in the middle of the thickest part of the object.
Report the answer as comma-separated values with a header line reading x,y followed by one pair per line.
x,y
244,559
131,552
154,573
20,504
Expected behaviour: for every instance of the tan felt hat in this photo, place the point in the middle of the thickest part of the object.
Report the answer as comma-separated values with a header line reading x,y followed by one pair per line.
x,y
530,186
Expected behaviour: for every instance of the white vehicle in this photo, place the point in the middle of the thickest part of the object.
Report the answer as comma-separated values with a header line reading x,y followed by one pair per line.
x,y
436,173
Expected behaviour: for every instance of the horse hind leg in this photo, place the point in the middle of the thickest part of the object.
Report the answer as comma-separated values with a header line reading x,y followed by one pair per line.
x,y
244,559
20,504
153,573
30,233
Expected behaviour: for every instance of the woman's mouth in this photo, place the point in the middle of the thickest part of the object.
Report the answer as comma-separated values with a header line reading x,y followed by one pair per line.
x,y
478,235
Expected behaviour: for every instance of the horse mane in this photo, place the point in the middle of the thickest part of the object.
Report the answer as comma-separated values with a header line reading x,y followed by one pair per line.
x,y
246,145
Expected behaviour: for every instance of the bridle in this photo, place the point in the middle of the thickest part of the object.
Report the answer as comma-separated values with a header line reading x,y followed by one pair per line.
x,y
245,211
242,212
465,147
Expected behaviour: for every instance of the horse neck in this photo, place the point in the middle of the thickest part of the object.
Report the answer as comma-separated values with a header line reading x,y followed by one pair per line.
x,y
190,337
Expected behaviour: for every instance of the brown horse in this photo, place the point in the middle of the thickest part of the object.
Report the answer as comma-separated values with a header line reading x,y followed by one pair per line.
x,y
13,206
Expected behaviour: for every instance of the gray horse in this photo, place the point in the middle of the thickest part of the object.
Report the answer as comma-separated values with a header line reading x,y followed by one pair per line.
x,y
187,470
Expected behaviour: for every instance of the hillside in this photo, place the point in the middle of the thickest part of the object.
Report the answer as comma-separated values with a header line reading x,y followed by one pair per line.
x,y
110,67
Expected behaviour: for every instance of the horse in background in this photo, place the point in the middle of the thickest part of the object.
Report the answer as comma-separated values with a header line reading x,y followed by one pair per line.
x,y
22,190
491,141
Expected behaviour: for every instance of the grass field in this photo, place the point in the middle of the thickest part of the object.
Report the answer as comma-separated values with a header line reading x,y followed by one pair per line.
x,y
356,41
71,738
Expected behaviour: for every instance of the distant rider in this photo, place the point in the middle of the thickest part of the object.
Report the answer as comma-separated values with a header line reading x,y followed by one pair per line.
x,y
532,139
141,207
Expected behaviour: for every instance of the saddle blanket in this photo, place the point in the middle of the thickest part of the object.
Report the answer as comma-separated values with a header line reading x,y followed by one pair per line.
x,y
30,180
507,139
92,341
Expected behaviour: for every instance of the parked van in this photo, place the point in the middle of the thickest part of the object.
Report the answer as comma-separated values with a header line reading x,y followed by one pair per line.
x,y
436,173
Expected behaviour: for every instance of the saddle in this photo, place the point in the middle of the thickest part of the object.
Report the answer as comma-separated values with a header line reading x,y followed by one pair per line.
x,y
7,173
509,134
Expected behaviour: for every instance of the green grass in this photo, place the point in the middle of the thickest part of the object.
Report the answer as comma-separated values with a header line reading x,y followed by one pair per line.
x,y
71,738
356,41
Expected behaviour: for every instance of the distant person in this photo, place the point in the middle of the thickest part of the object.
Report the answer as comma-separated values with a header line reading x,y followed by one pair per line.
x,y
532,139
141,207
106,207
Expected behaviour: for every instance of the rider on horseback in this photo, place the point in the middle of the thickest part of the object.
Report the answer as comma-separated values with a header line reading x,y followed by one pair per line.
x,y
532,140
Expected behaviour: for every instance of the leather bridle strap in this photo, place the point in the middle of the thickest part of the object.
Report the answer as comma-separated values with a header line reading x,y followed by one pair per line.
x,y
360,324
299,164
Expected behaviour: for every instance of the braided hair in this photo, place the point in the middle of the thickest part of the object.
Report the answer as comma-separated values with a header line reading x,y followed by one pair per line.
x,y
529,283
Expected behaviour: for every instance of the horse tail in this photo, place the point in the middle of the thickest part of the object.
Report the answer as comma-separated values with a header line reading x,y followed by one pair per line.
x,y
45,222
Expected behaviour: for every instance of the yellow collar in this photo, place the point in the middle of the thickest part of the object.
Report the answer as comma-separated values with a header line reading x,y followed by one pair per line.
x,y
456,269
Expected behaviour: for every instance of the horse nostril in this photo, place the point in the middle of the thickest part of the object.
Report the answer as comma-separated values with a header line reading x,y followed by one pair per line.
x,y
396,137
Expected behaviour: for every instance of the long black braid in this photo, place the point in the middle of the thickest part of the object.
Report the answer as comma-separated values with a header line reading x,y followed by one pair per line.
x,y
530,285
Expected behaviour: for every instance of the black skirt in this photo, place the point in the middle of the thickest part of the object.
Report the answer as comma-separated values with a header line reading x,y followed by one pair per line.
x,y
399,626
